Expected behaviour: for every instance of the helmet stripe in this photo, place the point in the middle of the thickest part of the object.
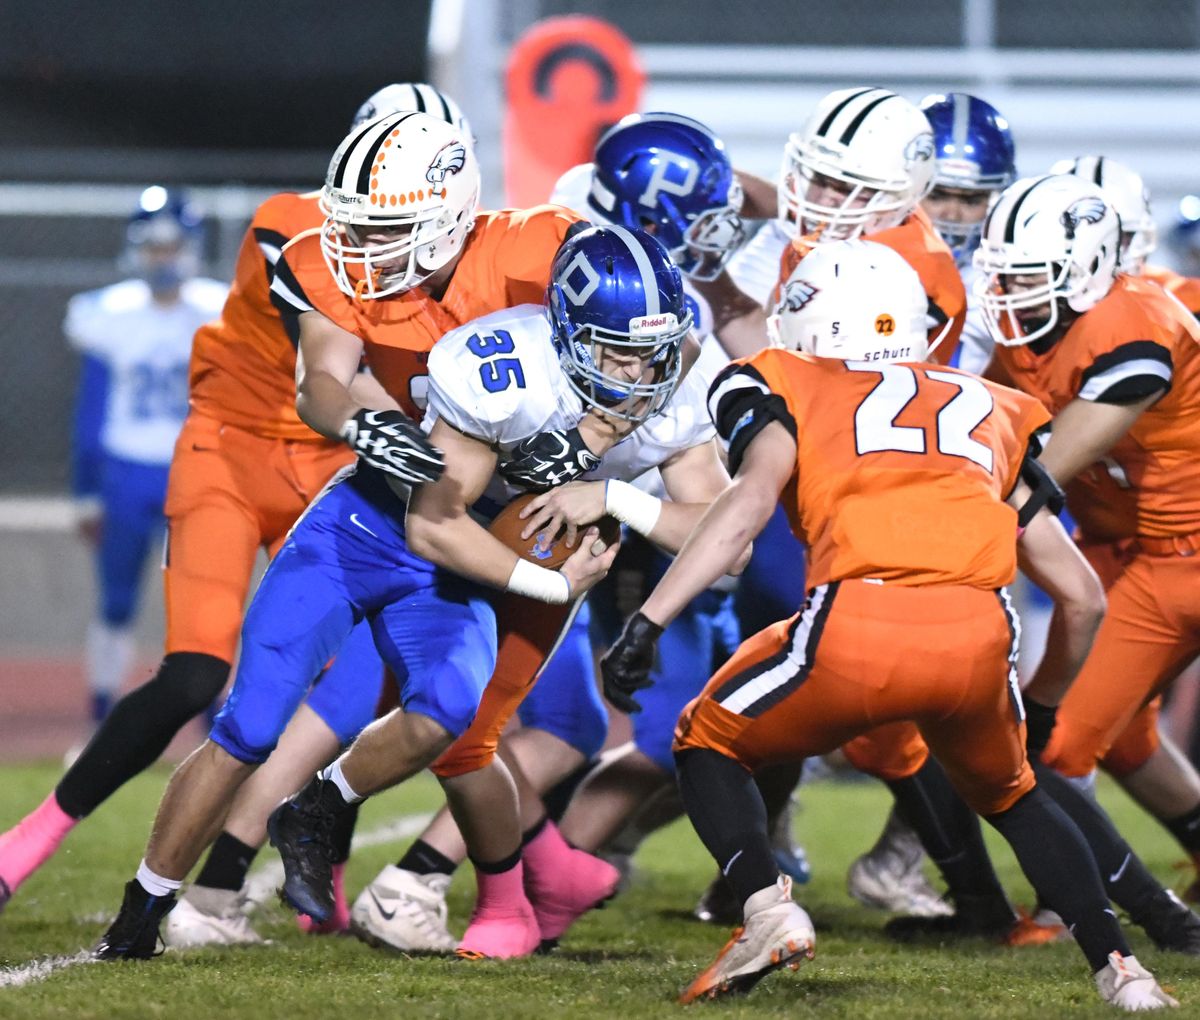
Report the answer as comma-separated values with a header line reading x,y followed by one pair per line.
x,y
649,283
1010,228
419,98
339,176
825,124
1098,175
447,116
862,115
962,121
364,171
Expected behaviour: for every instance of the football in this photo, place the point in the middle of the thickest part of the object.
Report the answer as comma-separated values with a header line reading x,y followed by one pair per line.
x,y
545,550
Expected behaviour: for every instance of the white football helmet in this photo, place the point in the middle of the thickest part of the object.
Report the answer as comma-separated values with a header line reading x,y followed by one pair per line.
x,y
1058,229
853,300
1127,194
399,200
861,163
410,96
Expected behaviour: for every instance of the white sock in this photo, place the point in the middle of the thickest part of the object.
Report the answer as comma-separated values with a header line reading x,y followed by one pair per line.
x,y
333,774
110,652
154,884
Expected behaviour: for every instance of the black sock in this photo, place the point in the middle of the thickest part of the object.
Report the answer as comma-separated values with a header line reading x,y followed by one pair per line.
x,y
950,833
1186,829
422,859
228,862
139,728
727,813
1126,879
1055,858
343,833
532,833
776,783
498,867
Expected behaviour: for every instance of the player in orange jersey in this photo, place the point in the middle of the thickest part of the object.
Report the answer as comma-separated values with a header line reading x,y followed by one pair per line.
x,y
244,468
913,486
402,256
1116,359
859,166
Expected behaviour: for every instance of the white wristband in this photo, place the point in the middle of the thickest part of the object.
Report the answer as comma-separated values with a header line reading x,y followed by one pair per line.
x,y
539,583
629,505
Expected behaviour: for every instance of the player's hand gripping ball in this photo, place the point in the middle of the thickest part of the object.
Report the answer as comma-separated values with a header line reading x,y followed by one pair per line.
x,y
544,549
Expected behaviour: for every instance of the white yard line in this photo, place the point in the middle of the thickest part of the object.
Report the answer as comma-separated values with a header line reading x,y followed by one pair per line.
x,y
262,883
39,970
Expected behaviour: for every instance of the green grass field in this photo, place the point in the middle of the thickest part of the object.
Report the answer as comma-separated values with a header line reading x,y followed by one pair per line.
x,y
628,960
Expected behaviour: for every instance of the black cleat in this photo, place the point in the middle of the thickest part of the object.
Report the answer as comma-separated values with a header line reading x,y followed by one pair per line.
x,y
986,917
133,935
1171,925
719,905
5,895
302,830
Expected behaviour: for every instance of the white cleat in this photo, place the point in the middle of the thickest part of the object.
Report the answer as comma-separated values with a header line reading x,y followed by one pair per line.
x,y
777,933
887,881
1126,984
404,911
209,917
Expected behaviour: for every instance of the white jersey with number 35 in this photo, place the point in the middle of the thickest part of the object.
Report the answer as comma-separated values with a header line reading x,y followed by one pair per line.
x,y
499,380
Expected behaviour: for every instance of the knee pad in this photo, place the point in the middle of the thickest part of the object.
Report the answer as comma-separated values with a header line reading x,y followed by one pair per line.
x,y
190,681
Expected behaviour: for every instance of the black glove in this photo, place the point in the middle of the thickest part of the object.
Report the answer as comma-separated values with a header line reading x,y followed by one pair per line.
x,y
626,665
392,442
1039,724
548,459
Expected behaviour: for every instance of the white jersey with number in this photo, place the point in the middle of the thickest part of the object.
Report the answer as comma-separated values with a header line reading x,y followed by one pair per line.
x,y
499,380
145,347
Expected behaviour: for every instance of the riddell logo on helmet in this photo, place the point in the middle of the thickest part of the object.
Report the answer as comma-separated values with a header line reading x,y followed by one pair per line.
x,y
652,324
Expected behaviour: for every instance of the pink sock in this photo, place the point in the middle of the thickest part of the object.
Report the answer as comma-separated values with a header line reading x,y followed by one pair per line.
x,y
32,841
547,850
339,920
503,924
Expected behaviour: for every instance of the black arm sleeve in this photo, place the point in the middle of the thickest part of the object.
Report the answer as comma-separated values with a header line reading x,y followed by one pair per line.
x,y
742,405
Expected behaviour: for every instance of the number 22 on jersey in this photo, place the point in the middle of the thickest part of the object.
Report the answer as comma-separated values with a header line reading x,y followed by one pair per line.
x,y
876,431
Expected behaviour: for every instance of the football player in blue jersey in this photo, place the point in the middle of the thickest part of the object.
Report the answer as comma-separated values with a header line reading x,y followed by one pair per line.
x,y
134,339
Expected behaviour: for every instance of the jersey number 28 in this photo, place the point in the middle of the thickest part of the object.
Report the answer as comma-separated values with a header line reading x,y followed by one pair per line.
x,y
875,428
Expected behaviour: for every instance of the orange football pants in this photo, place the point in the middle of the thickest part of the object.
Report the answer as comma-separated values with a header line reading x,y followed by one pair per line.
x,y
1150,633
861,656
230,493
527,632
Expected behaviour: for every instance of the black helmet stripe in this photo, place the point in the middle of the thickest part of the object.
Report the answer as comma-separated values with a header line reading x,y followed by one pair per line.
x,y
855,124
1098,175
1010,228
825,124
340,173
419,96
447,116
364,171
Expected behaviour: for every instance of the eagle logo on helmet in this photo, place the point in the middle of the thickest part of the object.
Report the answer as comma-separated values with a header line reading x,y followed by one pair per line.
x,y
451,158
797,294
1086,210
920,148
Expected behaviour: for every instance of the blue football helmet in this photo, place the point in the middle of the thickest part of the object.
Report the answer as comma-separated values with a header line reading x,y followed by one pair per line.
x,y
973,151
671,176
164,238
615,296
